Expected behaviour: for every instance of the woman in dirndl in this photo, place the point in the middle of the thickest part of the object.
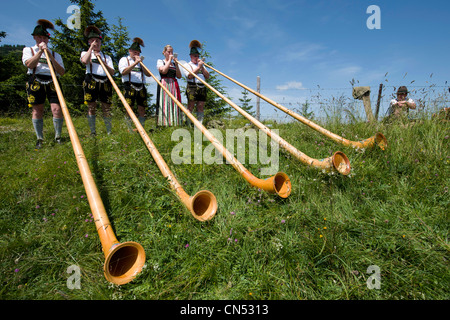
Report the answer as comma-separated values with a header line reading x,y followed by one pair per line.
x,y
168,113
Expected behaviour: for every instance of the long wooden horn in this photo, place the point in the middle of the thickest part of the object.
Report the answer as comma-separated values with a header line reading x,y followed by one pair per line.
x,y
378,139
202,205
279,184
123,260
337,162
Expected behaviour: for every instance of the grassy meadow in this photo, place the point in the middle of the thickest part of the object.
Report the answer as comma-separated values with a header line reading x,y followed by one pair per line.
x,y
390,212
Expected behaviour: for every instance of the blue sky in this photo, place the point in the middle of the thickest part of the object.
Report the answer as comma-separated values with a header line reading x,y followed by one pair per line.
x,y
295,47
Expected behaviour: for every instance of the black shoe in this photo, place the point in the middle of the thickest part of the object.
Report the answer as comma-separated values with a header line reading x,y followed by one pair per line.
x,y
39,144
58,140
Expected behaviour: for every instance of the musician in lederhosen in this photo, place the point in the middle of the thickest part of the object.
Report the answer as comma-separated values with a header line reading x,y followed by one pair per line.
x,y
40,84
133,78
196,90
168,113
96,84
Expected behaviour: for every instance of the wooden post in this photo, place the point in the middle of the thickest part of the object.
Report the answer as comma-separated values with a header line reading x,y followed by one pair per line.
x,y
378,101
363,93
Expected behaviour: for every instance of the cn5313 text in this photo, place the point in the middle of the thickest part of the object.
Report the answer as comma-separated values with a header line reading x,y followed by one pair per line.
x,y
229,309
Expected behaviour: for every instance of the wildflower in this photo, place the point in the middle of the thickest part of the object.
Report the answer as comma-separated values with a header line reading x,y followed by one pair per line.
x,y
86,235
37,207
283,221
233,213
187,245
324,228
16,270
321,236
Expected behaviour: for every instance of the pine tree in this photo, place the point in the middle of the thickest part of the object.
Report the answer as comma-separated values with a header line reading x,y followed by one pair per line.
x,y
245,103
70,43
13,76
215,107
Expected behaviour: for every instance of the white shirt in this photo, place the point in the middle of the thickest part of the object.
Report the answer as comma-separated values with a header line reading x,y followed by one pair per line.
x,y
136,73
42,67
391,109
97,68
191,66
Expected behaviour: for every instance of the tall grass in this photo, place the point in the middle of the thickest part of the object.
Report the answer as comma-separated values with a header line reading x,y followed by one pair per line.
x,y
391,211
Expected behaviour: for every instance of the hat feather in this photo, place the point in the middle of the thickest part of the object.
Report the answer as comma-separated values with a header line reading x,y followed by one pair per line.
x,y
195,44
139,41
88,30
45,24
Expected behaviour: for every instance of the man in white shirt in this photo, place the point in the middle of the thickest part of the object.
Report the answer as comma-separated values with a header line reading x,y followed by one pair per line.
x,y
195,89
40,85
133,78
399,107
96,84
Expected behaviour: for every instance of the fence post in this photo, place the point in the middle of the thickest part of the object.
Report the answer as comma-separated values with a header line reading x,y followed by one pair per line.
x,y
363,93
378,101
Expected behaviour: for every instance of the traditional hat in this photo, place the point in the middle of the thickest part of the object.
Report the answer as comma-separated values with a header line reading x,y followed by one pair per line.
x,y
41,28
402,89
136,45
92,32
195,46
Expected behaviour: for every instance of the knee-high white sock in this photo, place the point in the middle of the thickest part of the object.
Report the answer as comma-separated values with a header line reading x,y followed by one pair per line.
x,y
200,117
38,125
108,124
57,124
142,120
91,122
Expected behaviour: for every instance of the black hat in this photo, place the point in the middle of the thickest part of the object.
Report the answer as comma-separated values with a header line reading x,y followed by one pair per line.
x,y
402,89
92,32
195,46
41,28
136,45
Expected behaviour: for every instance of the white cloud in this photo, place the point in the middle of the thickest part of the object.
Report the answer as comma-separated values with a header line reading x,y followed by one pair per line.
x,y
291,85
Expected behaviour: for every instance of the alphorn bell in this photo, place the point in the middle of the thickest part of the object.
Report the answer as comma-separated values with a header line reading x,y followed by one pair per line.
x,y
279,184
123,260
202,205
337,162
377,139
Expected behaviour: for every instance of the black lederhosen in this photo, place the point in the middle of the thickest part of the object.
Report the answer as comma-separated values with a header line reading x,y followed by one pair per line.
x,y
135,93
97,88
195,92
41,87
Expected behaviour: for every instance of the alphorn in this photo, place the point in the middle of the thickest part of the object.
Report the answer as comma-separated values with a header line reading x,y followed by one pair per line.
x,y
337,162
202,205
279,183
123,260
377,139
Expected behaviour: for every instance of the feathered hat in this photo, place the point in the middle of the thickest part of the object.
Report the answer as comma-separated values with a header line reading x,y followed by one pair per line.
x,y
41,28
136,45
195,46
92,32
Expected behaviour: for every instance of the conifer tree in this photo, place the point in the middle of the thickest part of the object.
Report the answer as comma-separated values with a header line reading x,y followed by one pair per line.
x,y
245,103
71,42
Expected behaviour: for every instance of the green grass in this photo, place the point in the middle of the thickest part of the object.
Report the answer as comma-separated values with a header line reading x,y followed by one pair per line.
x,y
391,211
